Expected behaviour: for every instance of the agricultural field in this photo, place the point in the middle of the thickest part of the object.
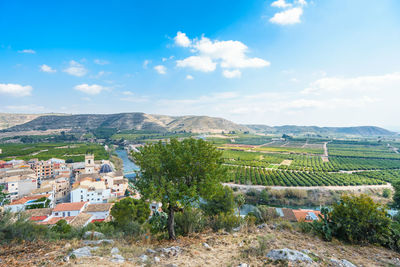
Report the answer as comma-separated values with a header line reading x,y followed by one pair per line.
x,y
300,162
45,151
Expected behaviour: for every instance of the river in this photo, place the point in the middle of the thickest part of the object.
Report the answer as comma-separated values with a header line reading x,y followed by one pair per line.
x,y
128,166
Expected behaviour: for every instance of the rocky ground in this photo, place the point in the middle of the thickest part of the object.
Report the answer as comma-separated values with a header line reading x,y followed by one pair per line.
x,y
262,246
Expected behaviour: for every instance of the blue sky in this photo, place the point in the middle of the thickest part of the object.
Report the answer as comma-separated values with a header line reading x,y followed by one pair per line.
x,y
328,63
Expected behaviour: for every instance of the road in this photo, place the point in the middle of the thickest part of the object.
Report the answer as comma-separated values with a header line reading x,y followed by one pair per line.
x,y
325,157
339,188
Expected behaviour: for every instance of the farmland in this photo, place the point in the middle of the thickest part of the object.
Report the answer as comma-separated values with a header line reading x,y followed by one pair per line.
x,y
299,162
45,151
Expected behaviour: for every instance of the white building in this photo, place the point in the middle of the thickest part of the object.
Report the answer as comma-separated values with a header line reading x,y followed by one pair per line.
x,y
99,211
68,209
89,163
84,193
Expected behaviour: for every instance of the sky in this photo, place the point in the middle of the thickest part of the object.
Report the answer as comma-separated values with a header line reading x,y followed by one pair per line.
x,y
278,62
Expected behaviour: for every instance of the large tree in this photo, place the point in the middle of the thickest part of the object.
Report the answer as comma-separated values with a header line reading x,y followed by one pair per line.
x,y
178,173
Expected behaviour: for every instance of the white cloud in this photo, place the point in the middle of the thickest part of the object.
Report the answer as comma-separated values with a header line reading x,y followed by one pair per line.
x,y
301,2
27,51
227,54
146,63
200,63
287,17
76,69
189,77
25,108
232,74
127,93
182,40
101,62
100,74
359,84
281,4
15,89
93,89
160,69
46,68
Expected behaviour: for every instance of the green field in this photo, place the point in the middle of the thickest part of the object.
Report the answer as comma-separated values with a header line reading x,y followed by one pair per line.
x,y
45,151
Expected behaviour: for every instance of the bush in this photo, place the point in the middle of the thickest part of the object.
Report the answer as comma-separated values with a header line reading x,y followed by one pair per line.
x,y
158,222
128,210
267,213
284,225
189,221
221,202
387,193
226,221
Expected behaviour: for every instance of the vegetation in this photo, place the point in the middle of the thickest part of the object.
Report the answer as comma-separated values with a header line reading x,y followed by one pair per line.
x,y
128,210
178,174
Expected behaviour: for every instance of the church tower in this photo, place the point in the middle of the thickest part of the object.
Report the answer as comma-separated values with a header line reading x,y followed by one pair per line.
x,y
89,163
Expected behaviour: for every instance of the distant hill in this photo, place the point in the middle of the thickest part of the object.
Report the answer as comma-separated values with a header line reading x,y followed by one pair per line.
x,y
163,123
315,130
129,121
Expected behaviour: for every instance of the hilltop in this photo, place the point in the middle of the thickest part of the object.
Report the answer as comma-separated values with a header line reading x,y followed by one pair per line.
x,y
164,123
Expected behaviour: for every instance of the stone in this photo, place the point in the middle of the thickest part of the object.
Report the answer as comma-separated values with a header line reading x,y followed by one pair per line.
x,y
289,255
97,242
143,258
93,235
82,252
117,258
237,229
151,251
341,263
262,226
67,246
171,251
114,250
157,259
66,259
207,246
243,265
171,265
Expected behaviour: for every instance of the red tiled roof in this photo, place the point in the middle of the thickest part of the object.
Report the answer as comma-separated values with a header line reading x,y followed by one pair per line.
x,y
54,220
97,220
302,214
38,218
69,206
26,199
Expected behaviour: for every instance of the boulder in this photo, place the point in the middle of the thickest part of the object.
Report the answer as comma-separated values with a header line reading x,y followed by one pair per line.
x,y
114,250
117,258
288,255
143,258
157,259
341,263
93,235
151,251
171,251
243,265
82,252
262,226
97,242
171,265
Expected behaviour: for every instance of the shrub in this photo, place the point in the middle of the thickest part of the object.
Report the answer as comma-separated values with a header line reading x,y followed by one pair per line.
x,y
221,202
226,221
387,193
158,222
189,221
263,197
128,210
295,193
284,225
267,213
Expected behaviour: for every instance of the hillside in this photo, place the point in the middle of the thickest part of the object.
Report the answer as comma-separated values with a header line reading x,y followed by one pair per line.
x,y
8,120
129,121
315,130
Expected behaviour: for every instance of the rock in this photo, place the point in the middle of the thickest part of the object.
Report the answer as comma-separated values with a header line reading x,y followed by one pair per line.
x,y
67,246
171,265
237,229
82,252
117,258
151,251
243,265
262,226
97,242
93,235
171,251
341,263
289,255
114,250
143,258
157,259
66,259
309,253
207,246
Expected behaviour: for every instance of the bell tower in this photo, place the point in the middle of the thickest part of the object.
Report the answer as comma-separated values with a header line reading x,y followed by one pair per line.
x,y
89,163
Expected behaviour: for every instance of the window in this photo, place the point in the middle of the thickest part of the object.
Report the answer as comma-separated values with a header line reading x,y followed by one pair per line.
x,y
69,213
63,214
56,214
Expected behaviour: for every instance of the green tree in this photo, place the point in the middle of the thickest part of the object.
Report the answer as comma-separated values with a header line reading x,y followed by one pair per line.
x,y
178,173
3,196
240,200
396,195
128,210
43,202
222,201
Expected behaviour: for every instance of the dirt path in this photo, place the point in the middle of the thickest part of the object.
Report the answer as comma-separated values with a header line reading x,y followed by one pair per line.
x,y
325,156
339,188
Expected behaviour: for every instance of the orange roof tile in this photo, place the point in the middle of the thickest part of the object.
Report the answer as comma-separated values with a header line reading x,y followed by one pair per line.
x,y
302,214
69,206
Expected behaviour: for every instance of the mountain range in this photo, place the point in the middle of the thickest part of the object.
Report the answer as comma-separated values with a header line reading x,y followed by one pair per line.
x,y
164,123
